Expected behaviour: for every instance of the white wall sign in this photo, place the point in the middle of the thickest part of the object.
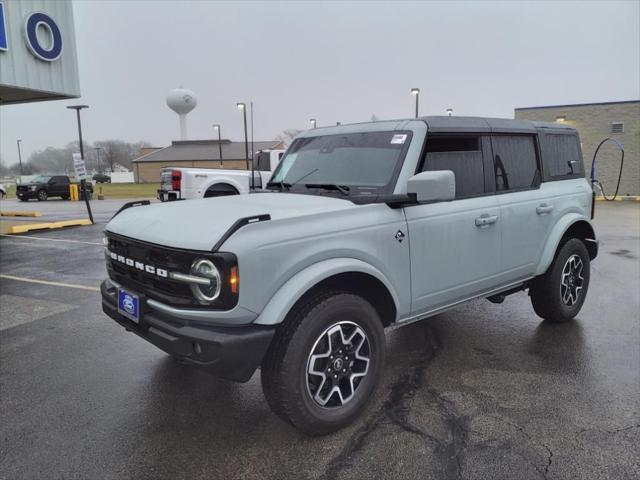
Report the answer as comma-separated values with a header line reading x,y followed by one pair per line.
x,y
79,167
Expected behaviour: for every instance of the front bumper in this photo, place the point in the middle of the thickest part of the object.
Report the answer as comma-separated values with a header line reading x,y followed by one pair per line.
x,y
233,353
27,194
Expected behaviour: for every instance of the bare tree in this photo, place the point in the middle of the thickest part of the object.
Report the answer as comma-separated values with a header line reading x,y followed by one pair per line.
x,y
287,136
374,118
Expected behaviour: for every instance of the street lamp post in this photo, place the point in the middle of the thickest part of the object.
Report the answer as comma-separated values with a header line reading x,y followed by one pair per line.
x,y
416,93
243,107
313,122
19,155
217,127
83,188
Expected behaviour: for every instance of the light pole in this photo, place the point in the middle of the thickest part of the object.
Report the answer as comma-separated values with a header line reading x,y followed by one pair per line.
x,y
77,108
449,111
313,122
19,155
217,127
243,107
416,92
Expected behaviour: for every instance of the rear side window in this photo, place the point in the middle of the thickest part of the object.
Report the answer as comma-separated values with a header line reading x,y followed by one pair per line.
x,y
561,156
60,180
463,156
515,162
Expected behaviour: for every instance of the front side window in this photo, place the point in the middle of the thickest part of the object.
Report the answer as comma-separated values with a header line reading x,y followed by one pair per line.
x,y
41,179
463,156
358,163
515,162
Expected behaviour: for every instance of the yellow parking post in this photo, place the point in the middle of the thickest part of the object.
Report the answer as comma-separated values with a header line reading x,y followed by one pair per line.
x,y
73,192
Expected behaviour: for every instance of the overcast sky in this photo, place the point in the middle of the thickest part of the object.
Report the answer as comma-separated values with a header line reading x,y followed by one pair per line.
x,y
334,61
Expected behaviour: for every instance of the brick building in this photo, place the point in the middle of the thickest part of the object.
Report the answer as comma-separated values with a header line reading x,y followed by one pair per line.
x,y
595,122
194,153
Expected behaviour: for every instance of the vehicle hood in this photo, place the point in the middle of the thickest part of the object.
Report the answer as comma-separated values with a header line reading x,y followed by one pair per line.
x,y
199,224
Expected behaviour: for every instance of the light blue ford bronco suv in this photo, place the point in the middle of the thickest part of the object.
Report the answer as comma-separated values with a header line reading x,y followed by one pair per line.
x,y
363,227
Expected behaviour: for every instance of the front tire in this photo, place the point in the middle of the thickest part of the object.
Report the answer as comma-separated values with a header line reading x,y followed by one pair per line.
x,y
558,295
42,195
324,362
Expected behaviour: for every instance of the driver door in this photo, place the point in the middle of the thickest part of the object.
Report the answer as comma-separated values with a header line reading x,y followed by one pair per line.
x,y
455,245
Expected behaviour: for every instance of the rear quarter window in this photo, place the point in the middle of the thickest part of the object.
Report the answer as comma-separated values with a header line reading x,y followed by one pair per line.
x,y
561,156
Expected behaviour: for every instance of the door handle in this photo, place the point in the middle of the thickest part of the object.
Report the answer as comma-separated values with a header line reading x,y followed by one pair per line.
x,y
543,209
485,219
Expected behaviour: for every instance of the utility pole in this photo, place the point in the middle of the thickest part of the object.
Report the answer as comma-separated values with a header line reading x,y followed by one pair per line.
x,y
83,182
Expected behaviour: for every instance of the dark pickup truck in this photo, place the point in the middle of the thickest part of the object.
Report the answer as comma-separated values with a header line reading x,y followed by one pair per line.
x,y
45,186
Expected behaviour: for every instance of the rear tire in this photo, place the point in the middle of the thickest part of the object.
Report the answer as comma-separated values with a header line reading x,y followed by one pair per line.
x,y
558,295
324,362
42,195
220,190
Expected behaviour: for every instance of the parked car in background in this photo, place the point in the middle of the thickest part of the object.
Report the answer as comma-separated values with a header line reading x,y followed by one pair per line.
x,y
365,227
101,178
3,191
44,186
183,183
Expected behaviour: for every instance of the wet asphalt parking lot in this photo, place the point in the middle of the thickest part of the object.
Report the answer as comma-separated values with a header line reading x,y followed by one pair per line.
x,y
482,391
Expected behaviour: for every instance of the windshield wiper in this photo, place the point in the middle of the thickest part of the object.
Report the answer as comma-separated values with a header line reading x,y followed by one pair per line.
x,y
286,186
330,186
283,185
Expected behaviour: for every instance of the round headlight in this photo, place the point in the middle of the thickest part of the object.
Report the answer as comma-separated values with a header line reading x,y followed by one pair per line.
x,y
206,293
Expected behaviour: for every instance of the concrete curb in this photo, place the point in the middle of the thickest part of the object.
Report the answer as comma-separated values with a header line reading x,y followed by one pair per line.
x,y
48,226
19,213
625,198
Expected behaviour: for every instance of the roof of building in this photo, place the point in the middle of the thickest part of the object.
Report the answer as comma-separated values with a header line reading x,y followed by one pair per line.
x,y
188,150
579,105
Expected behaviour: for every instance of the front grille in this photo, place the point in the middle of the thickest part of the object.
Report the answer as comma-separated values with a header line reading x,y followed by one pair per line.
x,y
162,289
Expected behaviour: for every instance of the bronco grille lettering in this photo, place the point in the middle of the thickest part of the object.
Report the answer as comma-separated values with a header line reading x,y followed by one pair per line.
x,y
151,269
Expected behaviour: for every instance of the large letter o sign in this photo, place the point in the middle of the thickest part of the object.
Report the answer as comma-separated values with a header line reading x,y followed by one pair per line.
x,y
49,52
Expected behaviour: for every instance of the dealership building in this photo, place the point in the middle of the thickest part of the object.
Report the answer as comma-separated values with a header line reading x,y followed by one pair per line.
x,y
195,153
38,58
595,122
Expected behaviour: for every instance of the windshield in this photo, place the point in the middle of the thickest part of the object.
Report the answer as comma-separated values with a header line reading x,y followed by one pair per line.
x,y
361,162
41,179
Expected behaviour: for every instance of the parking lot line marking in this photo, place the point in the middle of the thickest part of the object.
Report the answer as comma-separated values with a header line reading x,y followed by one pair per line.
x,y
49,239
46,282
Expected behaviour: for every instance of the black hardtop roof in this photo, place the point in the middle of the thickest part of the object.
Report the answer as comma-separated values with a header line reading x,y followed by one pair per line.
x,y
446,124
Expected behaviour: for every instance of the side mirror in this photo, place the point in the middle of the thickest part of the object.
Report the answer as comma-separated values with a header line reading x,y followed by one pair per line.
x,y
435,186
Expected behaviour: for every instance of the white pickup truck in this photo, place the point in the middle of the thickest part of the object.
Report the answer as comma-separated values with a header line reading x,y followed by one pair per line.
x,y
183,183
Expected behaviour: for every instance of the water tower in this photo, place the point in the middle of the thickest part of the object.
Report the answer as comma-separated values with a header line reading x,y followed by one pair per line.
x,y
182,101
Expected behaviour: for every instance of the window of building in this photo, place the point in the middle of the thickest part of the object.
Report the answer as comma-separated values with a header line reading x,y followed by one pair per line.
x,y
515,162
617,127
463,156
561,155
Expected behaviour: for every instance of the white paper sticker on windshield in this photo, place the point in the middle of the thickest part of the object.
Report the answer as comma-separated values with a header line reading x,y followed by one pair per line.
x,y
398,139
